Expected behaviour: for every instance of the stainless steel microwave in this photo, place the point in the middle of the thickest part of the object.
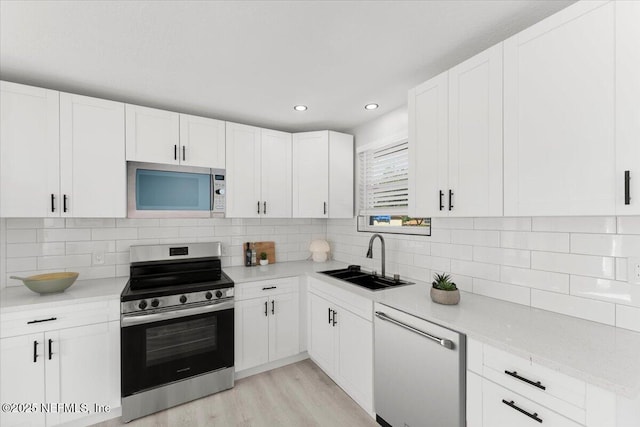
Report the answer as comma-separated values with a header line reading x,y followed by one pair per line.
x,y
173,191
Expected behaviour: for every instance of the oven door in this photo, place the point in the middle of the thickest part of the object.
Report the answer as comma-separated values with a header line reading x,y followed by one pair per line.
x,y
166,346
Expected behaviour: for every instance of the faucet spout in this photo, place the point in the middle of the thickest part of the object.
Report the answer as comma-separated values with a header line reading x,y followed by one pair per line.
x,y
370,251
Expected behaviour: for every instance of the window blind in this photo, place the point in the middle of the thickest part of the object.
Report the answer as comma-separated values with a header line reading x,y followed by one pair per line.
x,y
384,180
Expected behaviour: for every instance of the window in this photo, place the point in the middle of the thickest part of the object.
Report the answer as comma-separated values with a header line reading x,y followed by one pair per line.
x,y
384,191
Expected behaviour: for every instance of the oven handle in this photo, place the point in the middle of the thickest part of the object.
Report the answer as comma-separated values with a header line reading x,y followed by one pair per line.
x,y
138,319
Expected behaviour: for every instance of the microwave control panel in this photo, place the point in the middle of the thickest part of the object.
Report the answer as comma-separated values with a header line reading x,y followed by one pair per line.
x,y
219,190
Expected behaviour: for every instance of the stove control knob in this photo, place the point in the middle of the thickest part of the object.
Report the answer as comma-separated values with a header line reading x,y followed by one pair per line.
x,y
183,299
155,303
142,305
208,295
218,294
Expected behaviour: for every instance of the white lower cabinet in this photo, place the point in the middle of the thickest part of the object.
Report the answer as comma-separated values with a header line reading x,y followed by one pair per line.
x,y
266,322
507,390
59,375
341,339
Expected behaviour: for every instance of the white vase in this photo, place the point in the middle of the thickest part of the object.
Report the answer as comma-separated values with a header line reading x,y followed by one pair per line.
x,y
264,261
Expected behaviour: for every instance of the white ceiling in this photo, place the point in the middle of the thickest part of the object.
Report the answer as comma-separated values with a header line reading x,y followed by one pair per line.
x,y
250,62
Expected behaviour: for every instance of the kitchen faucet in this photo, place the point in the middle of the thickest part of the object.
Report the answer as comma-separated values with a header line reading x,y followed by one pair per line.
x,y
370,251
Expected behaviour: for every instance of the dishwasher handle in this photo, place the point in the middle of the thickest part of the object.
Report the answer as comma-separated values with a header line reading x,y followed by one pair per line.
x,y
442,341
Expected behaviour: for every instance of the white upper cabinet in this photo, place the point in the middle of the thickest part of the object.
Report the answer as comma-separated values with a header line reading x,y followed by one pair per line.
x,y
258,172
92,159
275,177
153,135
202,142
428,147
243,171
29,151
475,136
627,107
159,136
455,140
559,114
322,175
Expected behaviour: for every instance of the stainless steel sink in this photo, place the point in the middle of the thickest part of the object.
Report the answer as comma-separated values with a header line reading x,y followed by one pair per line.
x,y
354,275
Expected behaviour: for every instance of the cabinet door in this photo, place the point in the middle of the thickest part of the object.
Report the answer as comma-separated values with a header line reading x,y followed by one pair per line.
x,y
275,179
251,333
310,174
284,334
627,106
340,203
29,151
93,170
475,135
321,333
428,148
474,399
79,368
243,171
202,142
559,104
152,135
354,362
22,373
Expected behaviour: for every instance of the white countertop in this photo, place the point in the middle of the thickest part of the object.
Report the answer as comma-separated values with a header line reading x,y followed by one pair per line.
x,y
599,354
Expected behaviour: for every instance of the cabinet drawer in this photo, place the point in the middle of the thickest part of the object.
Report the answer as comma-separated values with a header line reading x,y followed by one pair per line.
x,y
67,316
265,288
517,411
543,385
356,304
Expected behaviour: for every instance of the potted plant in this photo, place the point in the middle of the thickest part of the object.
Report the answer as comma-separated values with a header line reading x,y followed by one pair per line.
x,y
263,258
444,291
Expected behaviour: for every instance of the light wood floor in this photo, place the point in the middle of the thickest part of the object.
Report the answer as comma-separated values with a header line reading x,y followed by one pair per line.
x,y
295,395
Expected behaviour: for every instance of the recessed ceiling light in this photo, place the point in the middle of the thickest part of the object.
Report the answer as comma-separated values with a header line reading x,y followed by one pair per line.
x,y
371,106
300,107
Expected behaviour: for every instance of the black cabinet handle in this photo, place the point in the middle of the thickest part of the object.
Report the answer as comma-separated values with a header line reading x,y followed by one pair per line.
x,y
514,374
42,320
184,154
64,203
329,311
450,199
50,345
175,152
273,306
264,208
441,195
627,189
266,309
325,208
53,203
335,313
511,404
258,207
269,287
35,351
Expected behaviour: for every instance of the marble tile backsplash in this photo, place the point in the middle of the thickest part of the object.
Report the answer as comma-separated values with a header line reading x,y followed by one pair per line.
x,y
39,245
571,265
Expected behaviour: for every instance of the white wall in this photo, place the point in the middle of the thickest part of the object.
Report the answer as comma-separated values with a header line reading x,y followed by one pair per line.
x,y
388,127
39,245
575,266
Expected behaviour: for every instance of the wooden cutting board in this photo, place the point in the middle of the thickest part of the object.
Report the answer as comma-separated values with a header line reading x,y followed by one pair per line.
x,y
268,247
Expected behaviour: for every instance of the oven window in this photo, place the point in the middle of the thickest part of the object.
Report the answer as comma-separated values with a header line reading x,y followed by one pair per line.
x,y
180,340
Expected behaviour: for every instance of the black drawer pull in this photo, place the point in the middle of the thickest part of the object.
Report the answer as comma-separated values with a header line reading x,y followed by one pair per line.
x,y
627,194
269,287
42,320
266,308
35,351
513,405
50,348
441,195
514,374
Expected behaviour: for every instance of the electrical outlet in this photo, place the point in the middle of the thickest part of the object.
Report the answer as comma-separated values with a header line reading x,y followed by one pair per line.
x,y
98,258
633,274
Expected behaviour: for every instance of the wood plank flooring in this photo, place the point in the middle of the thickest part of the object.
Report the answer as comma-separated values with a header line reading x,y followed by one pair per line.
x,y
292,396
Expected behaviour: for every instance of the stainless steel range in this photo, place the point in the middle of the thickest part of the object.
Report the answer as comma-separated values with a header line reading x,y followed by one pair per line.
x,y
176,327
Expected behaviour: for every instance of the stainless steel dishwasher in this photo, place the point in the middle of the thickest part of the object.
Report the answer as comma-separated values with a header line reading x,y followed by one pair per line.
x,y
419,372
